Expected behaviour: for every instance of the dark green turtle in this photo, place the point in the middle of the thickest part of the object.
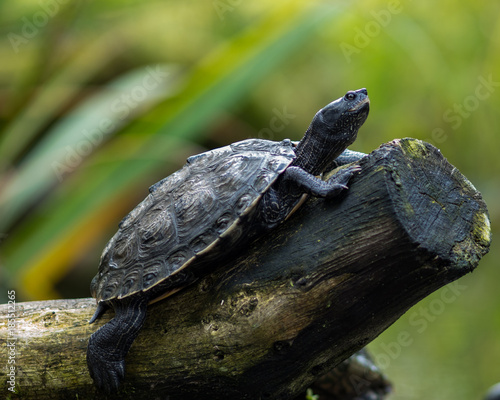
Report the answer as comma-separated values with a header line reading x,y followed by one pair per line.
x,y
195,217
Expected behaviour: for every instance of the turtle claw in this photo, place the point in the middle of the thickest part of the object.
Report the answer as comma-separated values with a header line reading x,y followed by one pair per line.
x,y
107,374
344,175
355,168
351,170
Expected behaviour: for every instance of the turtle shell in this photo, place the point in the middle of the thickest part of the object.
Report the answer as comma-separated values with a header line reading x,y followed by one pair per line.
x,y
187,214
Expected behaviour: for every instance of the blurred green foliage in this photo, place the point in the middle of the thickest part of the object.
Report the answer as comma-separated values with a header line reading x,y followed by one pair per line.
x,y
99,100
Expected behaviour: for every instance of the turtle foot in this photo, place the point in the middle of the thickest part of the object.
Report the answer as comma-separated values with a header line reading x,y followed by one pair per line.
x,y
109,345
107,374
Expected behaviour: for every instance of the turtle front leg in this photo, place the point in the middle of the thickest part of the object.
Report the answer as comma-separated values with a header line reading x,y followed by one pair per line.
x,y
109,345
317,187
347,157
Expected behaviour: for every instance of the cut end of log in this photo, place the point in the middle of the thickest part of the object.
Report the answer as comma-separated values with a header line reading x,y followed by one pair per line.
x,y
438,206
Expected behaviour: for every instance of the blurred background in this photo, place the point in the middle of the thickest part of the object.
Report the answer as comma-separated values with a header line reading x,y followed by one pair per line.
x,y
99,100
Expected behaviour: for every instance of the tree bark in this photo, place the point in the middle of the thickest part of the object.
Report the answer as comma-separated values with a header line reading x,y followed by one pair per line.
x,y
290,307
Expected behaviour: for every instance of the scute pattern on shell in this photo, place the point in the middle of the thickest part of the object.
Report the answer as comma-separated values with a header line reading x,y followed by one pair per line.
x,y
187,212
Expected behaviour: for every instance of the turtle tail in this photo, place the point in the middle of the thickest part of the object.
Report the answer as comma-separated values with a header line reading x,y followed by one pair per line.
x,y
101,307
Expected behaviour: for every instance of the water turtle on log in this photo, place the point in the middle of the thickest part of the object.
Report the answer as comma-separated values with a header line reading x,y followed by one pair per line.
x,y
203,213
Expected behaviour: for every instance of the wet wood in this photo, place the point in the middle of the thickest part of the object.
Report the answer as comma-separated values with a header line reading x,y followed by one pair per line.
x,y
291,306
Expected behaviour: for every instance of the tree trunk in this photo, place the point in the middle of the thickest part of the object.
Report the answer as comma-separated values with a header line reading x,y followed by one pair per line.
x,y
290,307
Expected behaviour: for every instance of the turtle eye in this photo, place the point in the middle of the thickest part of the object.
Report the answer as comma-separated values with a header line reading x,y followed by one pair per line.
x,y
350,96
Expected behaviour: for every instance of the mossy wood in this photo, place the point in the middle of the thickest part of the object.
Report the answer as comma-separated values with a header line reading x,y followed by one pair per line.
x,y
291,306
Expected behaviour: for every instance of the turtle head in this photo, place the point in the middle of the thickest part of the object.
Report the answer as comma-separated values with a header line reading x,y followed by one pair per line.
x,y
343,117
332,130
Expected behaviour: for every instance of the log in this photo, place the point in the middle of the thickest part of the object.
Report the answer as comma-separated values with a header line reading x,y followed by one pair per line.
x,y
292,305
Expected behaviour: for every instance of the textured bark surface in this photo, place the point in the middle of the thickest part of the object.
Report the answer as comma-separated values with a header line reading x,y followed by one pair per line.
x,y
290,307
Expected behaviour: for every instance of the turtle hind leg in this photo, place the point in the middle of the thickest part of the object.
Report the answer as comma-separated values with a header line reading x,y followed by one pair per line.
x,y
109,345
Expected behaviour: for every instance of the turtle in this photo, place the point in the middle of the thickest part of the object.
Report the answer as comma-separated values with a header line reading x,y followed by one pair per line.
x,y
216,203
